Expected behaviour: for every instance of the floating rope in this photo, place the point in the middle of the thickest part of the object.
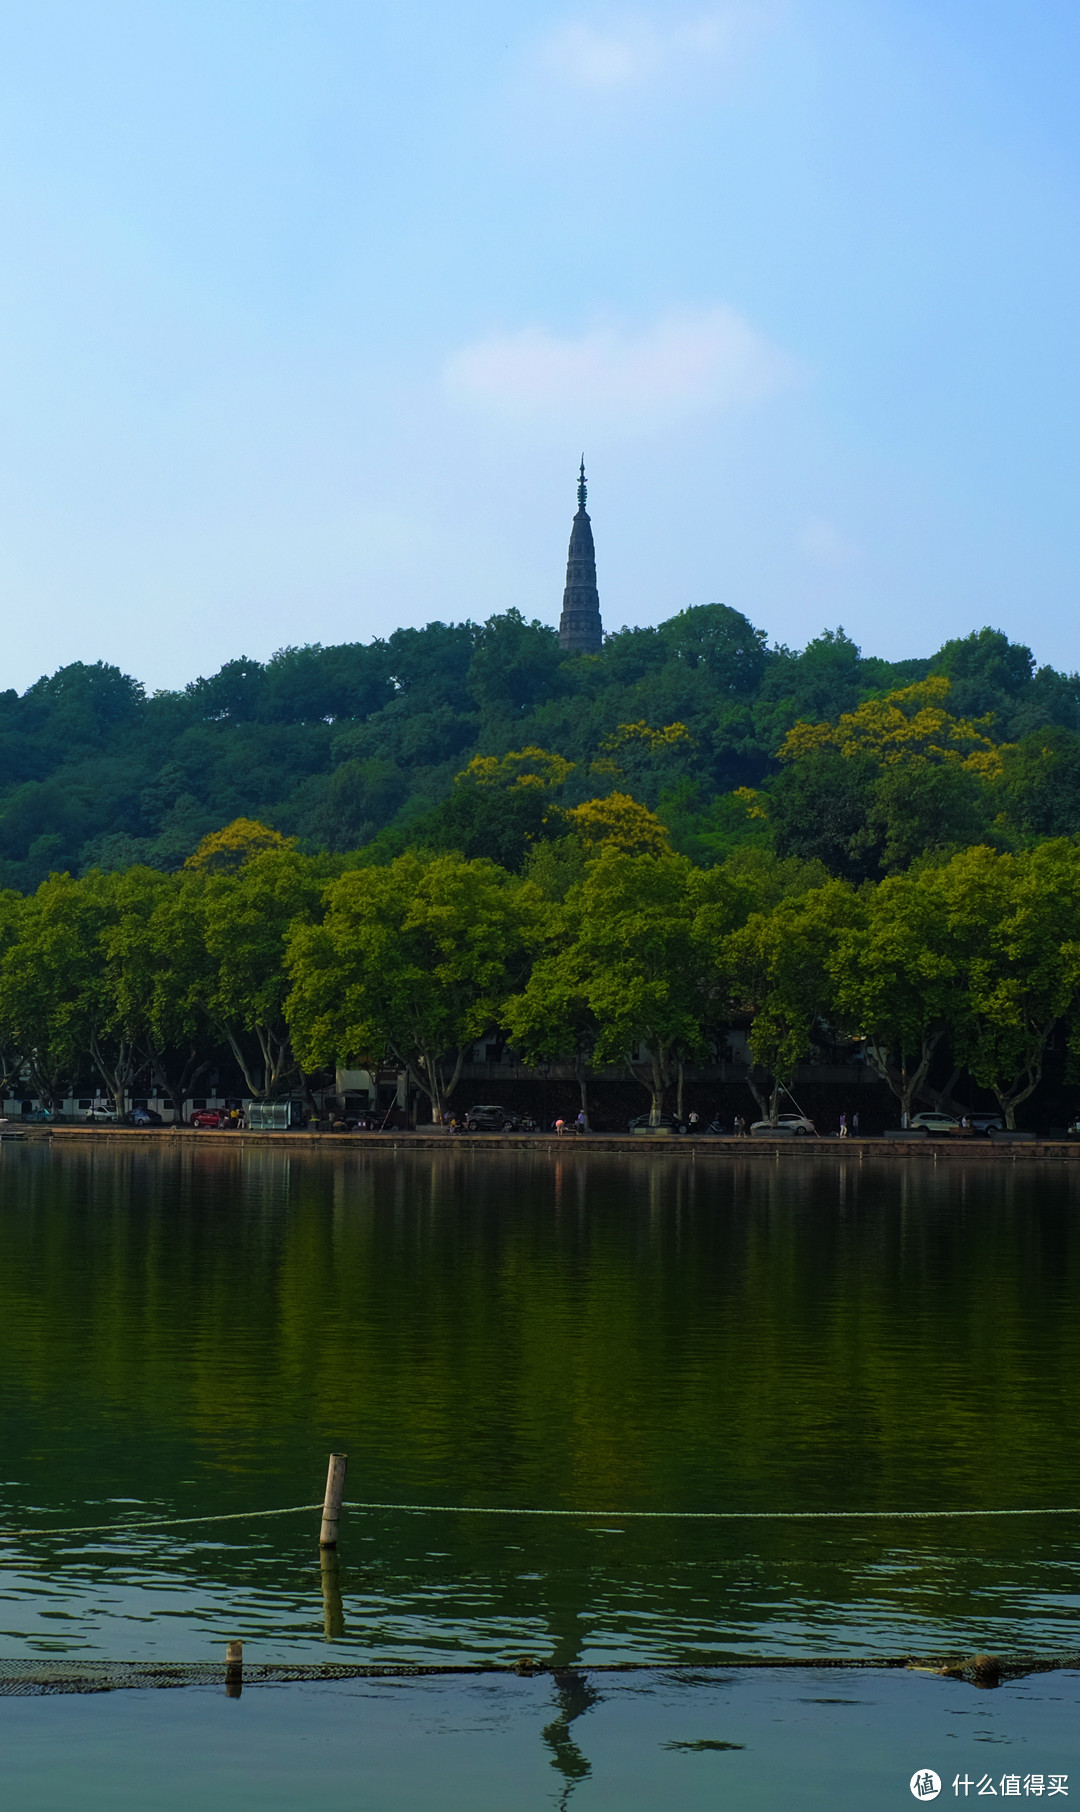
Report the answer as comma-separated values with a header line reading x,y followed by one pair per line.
x,y
163,1522
614,1516
31,1678
712,1516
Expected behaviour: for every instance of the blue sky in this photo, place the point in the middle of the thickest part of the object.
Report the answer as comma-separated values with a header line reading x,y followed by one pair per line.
x,y
307,310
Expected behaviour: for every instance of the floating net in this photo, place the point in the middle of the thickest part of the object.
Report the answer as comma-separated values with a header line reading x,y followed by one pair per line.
x,y
39,1678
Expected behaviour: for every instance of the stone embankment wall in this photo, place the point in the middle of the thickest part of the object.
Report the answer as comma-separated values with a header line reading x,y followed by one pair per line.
x,y
702,1146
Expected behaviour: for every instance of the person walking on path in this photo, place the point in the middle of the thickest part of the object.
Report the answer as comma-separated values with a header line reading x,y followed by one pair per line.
x,y
855,1124
843,1126
582,1123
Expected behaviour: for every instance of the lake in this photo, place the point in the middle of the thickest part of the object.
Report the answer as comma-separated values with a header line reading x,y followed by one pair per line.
x,y
188,1333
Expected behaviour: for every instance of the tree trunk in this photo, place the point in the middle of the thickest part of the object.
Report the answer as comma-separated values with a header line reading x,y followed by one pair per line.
x,y
679,1092
1025,1084
50,1086
179,1087
427,1078
308,1098
766,1103
117,1073
904,1083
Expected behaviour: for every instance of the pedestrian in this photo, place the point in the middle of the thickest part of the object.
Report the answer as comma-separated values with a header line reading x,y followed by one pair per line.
x,y
843,1126
855,1124
559,1124
738,1128
692,1122
582,1123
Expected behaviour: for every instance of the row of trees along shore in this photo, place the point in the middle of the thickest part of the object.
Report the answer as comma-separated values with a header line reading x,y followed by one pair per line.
x,y
606,947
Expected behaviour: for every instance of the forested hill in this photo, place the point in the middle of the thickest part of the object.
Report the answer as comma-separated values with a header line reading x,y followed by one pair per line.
x,y
359,746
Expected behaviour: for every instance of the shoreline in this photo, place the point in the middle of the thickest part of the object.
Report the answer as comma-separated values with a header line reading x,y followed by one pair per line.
x,y
686,1144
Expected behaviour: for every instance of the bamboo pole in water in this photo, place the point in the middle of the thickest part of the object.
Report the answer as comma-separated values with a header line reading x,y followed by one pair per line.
x,y
335,1490
333,1608
234,1670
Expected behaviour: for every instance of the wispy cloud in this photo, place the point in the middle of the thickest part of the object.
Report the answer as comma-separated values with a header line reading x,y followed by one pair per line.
x,y
634,49
823,544
687,362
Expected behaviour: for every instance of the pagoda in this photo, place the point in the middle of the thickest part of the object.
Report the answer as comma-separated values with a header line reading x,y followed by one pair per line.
x,y
580,628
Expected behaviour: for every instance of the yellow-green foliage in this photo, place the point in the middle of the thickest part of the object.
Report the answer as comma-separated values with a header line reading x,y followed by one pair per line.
x,y
671,736
530,767
228,849
620,822
909,725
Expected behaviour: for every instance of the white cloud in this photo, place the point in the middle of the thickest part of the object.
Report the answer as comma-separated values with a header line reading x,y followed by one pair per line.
x,y
822,543
687,362
634,49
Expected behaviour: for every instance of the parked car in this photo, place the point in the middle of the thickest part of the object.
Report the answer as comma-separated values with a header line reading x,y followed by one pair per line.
x,y
491,1119
101,1113
40,1116
934,1122
798,1124
210,1117
144,1116
668,1123
986,1123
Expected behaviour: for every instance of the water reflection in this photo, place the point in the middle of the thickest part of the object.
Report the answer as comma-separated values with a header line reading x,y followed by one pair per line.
x,y
574,1695
333,1608
194,1331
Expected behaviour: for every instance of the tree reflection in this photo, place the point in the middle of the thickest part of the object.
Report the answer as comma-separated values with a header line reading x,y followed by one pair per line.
x,y
574,1695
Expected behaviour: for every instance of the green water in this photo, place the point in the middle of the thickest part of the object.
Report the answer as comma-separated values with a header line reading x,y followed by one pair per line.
x,y
192,1333
813,1741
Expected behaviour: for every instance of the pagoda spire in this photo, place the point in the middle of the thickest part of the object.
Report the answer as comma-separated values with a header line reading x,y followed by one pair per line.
x,y
580,628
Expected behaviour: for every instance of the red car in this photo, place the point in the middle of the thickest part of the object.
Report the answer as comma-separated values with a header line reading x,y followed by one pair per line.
x,y
210,1116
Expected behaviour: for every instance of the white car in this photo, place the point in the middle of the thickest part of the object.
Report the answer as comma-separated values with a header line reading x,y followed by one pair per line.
x,y
934,1122
792,1123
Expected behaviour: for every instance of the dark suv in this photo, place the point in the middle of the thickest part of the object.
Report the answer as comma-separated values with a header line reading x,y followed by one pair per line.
x,y
491,1119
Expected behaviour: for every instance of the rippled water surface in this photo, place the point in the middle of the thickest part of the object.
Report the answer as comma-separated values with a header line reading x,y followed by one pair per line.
x,y
190,1333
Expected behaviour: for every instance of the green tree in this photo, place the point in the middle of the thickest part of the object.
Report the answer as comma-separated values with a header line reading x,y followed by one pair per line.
x,y
819,807
988,674
12,907
154,952
551,1019
414,961
58,990
516,665
1015,925
245,917
779,965
1040,789
643,964
898,981
722,641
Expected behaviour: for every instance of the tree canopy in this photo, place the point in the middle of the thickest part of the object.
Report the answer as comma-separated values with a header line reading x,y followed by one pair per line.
x,y
357,747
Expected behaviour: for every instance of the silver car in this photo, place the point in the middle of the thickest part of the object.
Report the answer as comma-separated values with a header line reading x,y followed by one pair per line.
x,y
792,1123
934,1122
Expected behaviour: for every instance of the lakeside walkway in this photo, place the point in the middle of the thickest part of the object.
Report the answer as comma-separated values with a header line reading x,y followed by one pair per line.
x,y
684,1145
